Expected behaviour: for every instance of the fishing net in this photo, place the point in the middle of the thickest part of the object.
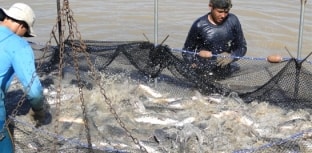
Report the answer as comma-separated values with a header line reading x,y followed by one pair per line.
x,y
285,84
133,96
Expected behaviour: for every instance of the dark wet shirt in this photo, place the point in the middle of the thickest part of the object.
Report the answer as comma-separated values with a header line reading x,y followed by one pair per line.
x,y
227,37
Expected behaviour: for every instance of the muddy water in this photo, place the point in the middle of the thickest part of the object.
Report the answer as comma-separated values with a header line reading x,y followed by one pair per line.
x,y
269,26
192,123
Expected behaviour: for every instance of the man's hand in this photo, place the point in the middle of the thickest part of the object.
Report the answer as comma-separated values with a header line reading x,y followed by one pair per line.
x,y
41,116
193,65
224,59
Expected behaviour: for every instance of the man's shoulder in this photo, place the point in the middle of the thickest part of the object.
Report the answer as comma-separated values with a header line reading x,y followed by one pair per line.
x,y
201,18
232,16
18,48
16,41
232,19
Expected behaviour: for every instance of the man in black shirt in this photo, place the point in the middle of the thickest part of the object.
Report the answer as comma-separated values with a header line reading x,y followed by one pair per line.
x,y
216,39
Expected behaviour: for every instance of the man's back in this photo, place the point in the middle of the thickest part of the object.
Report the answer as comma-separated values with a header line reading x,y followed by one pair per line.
x,y
16,56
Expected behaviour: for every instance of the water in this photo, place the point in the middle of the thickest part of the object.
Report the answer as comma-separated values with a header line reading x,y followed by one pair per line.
x,y
269,26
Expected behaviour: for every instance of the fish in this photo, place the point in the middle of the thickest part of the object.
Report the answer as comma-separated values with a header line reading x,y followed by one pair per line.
x,y
213,98
243,119
225,113
164,100
148,148
52,95
156,120
290,125
246,120
71,120
179,104
148,90
163,120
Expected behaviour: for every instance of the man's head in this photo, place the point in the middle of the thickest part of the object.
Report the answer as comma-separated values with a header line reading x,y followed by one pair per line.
x,y
22,14
219,10
221,4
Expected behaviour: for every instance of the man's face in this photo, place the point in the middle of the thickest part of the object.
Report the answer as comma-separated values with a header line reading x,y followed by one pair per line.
x,y
219,15
21,30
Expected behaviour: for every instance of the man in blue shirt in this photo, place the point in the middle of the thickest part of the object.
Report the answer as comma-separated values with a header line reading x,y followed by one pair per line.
x,y
17,59
217,33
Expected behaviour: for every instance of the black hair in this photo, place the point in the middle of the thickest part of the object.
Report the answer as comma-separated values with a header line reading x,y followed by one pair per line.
x,y
2,15
222,4
23,23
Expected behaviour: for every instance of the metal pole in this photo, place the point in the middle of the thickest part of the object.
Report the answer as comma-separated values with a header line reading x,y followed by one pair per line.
x,y
59,19
56,57
155,29
303,2
156,22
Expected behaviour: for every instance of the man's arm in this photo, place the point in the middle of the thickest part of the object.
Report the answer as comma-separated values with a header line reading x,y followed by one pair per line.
x,y
240,44
190,44
24,67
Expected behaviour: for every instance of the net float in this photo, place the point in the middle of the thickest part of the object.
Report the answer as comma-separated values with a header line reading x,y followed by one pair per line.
x,y
205,54
274,58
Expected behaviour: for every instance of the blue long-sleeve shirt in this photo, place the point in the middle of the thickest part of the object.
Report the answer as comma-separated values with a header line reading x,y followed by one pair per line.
x,y
227,37
17,59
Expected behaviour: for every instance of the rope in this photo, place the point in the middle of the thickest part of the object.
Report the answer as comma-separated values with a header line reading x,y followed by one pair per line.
x,y
236,57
